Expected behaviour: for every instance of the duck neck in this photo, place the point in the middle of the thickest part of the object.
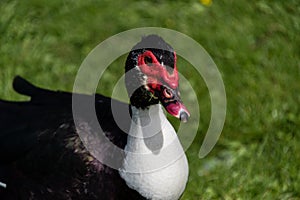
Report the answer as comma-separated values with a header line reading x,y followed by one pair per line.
x,y
155,164
150,130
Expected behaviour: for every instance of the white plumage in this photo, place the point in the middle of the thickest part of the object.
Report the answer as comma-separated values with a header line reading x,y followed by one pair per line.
x,y
155,164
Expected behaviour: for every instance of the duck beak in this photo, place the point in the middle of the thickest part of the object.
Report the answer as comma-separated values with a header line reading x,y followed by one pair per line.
x,y
178,110
174,105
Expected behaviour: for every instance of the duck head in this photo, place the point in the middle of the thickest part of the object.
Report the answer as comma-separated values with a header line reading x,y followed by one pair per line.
x,y
152,76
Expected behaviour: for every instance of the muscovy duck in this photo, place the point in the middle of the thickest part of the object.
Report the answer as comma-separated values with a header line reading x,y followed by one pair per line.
x,y
43,157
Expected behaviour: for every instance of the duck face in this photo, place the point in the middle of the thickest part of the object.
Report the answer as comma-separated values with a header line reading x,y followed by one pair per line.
x,y
152,77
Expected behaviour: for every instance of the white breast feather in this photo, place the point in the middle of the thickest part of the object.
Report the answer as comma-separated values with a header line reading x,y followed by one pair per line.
x,y
155,164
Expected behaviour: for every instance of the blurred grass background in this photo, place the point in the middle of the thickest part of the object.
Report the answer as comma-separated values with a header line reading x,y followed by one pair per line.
x,y
255,44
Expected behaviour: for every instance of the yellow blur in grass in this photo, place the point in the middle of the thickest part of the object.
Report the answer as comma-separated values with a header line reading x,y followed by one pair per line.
x,y
206,2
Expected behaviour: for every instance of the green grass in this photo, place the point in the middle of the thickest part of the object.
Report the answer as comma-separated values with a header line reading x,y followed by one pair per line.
x,y
255,44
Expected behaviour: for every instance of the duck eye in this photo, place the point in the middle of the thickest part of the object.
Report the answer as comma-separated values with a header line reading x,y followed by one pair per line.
x,y
167,93
148,60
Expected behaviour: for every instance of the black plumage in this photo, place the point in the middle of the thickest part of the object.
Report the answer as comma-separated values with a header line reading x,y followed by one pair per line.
x,y
42,156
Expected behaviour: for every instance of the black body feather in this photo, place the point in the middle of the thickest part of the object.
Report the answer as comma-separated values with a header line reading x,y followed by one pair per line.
x,y
42,156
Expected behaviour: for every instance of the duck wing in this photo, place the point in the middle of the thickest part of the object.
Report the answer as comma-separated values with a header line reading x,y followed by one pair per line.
x,y
41,151
24,124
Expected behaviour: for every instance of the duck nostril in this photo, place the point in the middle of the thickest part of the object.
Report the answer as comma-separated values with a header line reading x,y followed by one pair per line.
x,y
183,116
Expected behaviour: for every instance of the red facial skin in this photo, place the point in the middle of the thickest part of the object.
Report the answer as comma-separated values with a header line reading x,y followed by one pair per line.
x,y
161,81
156,70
